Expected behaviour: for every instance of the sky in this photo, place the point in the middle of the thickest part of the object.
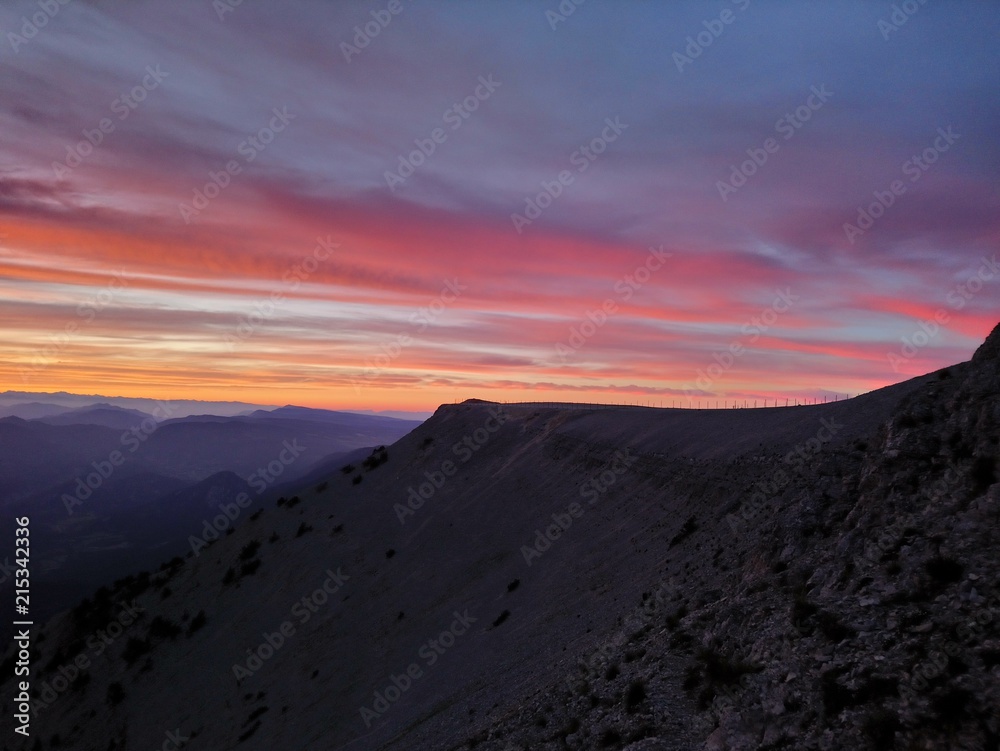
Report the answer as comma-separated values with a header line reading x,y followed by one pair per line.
x,y
397,204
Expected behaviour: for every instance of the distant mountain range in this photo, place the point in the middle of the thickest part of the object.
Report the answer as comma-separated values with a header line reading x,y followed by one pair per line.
x,y
177,408
111,489
31,405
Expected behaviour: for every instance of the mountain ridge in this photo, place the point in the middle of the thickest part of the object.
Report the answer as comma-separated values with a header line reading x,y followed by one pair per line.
x,y
731,592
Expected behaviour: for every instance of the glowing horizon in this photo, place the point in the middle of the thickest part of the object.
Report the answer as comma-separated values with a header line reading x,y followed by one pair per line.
x,y
233,207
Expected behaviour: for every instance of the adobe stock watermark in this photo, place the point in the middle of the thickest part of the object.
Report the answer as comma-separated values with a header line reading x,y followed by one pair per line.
x,y
454,117
753,329
592,490
420,320
259,480
786,127
564,10
464,450
429,653
625,288
365,33
581,158
173,740
249,149
88,311
132,439
714,28
33,24
265,309
901,14
122,106
957,298
302,611
914,168
224,7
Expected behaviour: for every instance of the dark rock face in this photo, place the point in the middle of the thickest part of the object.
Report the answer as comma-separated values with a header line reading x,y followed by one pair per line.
x,y
866,613
990,349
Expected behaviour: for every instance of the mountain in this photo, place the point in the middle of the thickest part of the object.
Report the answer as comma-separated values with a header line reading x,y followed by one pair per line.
x,y
520,577
107,415
100,495
36,456
175,408
31,410
398,414
353,419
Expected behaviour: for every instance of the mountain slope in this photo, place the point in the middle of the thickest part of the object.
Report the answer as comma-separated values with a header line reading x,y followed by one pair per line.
x,y
584,579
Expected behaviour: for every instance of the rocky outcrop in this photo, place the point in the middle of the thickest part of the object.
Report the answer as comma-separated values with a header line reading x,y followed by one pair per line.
x,y
864,612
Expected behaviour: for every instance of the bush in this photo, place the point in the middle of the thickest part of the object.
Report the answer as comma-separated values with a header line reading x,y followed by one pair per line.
x,y
880,727
134,649
674,619
347,469
686,531
303,528
984,473
248,733
832,627
378,457
952,705
357,480
944,570
802,611
197,623
635,696
250,567
256,713
115,695
611,739
723,670
161,628
249,550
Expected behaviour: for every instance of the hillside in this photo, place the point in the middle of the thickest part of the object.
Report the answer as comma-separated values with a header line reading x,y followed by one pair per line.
x,y
619,578
106,500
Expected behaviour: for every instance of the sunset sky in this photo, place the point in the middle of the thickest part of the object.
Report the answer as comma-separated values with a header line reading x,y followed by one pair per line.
x,y
340,266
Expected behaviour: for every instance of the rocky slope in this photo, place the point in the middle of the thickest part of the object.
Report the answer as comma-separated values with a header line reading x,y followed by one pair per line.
x,y
521,578
862,610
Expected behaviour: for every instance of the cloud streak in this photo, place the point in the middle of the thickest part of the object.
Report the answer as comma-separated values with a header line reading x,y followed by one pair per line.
x,y
65,232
